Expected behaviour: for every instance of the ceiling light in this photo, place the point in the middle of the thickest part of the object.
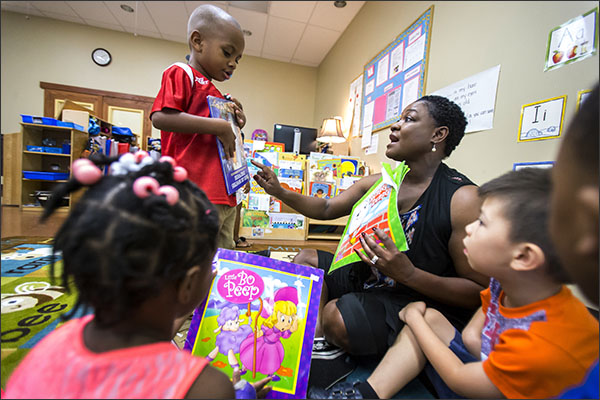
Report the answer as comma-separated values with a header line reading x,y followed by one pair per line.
x,y
247,32
127,8
339,3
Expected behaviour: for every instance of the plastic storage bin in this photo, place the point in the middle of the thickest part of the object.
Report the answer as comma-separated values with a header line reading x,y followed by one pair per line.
x,y
69,125
48,149
31,119
35,148
45,176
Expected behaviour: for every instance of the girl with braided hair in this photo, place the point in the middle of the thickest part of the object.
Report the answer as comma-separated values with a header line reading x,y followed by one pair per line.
x,y
138,247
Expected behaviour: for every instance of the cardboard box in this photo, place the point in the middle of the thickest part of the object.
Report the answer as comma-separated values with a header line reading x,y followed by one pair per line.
x,y
79,117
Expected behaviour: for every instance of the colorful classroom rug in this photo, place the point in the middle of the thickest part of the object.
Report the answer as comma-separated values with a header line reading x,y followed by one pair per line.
x,y
31,302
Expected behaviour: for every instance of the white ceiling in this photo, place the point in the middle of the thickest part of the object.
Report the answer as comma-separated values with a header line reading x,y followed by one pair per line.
x,y
299,32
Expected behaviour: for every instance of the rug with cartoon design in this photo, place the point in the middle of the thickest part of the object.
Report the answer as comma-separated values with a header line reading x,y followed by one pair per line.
x,y
31,303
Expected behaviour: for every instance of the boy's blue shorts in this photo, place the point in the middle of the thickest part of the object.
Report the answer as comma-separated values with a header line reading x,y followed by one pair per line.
x,y
458,347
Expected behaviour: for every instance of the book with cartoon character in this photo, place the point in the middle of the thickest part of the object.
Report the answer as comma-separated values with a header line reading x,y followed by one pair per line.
x,y
260,317
235,169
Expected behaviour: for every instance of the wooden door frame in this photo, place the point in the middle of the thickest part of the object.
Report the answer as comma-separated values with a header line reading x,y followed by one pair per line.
x,y
96,96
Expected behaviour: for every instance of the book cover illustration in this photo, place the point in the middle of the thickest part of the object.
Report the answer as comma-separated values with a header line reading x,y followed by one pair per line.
x,y
377,208
235,170
254,218
348,167
329,165
292,184
260,316
318,175
286,221
291,173
320,189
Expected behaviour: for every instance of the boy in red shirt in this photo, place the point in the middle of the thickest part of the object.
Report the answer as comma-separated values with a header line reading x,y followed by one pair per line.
x,y
181,112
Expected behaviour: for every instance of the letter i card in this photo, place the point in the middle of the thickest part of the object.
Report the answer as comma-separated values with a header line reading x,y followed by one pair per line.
x,y
260,316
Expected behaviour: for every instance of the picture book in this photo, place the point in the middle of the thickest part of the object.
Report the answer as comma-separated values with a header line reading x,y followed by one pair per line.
x,y
377,208
318,175
329,165
260,316
347,167
320,189
292,157
292,184
286,221
254,218
291,173
235,170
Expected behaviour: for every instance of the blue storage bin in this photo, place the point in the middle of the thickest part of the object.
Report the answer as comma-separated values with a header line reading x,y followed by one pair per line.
x,y
56,150
66,148
31,119
72,125
46,176
35,148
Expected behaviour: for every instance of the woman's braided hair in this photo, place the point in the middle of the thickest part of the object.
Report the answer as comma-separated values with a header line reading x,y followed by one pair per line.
x,y
119,249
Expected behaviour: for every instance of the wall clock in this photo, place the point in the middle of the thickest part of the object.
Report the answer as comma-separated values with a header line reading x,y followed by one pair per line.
x,y
101,57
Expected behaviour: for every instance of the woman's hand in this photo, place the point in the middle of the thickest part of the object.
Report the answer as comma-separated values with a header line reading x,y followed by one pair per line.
x,y
390,261
294,326
267,179
238,111
414,307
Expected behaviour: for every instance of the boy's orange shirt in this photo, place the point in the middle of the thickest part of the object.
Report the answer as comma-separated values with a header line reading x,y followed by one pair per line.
x,y
538,350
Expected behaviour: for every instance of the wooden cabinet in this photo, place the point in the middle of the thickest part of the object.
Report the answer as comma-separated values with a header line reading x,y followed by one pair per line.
x,y
338,223
24,178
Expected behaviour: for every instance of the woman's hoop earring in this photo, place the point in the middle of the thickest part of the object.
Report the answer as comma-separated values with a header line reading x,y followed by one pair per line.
x,y
433,148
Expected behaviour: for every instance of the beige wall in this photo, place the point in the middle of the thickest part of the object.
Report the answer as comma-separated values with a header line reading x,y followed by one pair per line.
x,y
41,49
467,37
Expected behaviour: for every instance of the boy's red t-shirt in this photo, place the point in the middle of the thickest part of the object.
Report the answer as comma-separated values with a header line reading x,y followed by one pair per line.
x,y
195,152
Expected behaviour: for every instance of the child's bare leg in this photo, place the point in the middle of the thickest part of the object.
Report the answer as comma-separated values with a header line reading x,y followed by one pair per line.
x,y
405,360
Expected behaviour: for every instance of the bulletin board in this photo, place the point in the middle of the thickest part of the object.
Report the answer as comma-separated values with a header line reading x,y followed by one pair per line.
x,y
396,76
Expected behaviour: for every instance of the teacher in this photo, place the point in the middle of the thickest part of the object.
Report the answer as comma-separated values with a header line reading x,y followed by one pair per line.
x,y
359,313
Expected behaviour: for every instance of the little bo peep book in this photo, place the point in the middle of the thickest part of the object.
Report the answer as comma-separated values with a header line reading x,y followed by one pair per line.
x,y
235,169
260,317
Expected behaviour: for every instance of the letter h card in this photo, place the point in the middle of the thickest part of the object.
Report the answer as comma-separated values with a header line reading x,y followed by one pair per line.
x,y
260,317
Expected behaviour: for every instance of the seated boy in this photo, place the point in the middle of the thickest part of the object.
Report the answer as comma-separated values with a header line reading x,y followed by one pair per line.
x,y
531,338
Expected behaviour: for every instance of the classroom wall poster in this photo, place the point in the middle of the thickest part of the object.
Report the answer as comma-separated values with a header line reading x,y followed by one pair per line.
x,y
581,96
386,77
476,96
355,103
575,40
542,119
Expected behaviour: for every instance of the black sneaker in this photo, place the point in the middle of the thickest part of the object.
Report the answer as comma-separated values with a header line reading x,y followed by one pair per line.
x,y
342,390
323,350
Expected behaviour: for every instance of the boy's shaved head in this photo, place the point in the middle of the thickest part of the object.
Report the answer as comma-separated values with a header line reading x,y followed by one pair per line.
x,y
208,18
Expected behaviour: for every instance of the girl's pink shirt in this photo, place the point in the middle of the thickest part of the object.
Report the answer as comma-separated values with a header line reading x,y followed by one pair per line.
x,y
61,366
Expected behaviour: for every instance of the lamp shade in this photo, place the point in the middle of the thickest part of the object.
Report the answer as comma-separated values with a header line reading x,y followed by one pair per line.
x,y
331,131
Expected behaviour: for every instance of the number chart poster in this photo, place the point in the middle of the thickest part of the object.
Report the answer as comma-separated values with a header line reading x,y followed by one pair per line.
x,y
396,76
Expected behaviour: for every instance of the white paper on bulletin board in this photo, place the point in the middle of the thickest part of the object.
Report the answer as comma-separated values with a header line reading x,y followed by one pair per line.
x,y
476,95
355,103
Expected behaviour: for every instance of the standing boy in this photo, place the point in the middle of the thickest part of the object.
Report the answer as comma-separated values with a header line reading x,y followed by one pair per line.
x,y
532,338
181,111
574,214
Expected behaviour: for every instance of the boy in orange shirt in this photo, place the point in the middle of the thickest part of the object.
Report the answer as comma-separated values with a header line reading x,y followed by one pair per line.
x,y
532,338
181,112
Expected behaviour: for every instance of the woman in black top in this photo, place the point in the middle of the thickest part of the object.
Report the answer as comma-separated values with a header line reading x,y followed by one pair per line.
x,y
435,204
